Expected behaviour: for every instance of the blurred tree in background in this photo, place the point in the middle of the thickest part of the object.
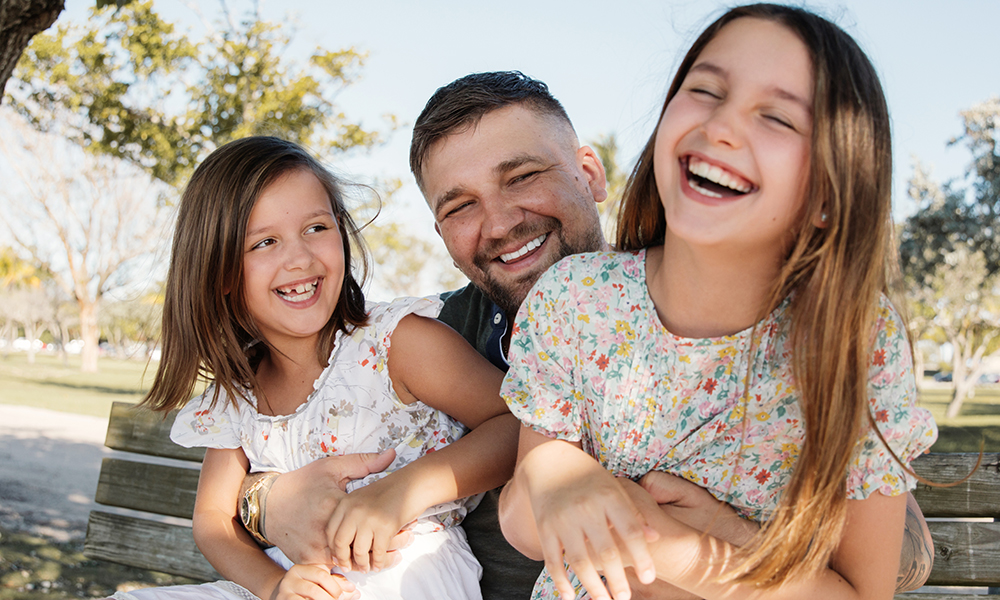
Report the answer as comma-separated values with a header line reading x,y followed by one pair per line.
x,y
950,253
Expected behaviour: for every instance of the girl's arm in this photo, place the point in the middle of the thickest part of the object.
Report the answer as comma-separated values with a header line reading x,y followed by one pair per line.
x,y
430,362
230,549
864,566
562,504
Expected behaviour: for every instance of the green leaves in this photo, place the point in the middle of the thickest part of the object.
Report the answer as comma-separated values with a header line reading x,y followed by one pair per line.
x,y
128,84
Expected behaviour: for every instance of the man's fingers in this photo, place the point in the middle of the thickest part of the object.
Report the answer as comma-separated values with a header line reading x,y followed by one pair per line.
x,y
357,466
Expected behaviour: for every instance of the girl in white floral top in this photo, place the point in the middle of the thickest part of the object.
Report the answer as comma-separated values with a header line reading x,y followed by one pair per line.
x,y
740,339
261,300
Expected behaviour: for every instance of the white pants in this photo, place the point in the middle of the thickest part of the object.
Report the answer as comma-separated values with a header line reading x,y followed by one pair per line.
x,y
435,566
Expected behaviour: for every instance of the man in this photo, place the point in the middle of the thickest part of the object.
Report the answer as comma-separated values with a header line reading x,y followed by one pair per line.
x,y
512,192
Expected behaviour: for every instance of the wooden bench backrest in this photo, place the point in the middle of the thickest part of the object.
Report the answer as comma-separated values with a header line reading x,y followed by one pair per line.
x,y
966,553
155,489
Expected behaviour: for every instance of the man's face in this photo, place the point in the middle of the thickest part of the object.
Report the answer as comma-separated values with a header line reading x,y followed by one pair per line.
x,y
511,196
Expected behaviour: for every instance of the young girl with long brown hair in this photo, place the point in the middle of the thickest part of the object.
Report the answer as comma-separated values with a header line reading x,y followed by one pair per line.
x,y
740,338
262,301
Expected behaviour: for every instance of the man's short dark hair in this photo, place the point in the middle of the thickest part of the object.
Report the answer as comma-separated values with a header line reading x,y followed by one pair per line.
x,y
463,102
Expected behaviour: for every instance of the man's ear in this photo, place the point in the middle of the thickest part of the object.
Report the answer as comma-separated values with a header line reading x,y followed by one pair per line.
x,y
593,168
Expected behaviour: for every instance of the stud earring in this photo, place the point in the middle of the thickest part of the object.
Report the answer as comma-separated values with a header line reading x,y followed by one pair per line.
x,y
822,217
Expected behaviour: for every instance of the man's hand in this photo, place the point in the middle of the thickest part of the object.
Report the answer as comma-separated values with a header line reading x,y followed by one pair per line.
x,y
693,506
300,503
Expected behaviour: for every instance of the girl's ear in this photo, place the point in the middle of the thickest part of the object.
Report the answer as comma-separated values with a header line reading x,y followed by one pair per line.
x,y
819,221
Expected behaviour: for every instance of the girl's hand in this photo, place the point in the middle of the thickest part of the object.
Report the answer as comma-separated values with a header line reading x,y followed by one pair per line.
x,y
315,583
362,526
579,510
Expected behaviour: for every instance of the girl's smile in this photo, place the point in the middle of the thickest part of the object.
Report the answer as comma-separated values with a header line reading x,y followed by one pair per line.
x,y
732,150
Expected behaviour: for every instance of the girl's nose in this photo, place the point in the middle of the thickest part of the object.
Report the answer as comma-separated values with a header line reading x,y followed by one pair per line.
x,y
724,127
298,255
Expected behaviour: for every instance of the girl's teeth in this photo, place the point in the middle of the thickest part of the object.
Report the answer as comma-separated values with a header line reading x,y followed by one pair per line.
x,y
298,293
716,175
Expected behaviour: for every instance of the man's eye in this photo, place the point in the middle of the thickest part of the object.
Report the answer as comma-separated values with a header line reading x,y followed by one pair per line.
x,y
524,177
457,208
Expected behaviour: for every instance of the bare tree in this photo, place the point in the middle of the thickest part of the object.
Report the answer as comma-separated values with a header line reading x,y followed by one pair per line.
x,y
89,220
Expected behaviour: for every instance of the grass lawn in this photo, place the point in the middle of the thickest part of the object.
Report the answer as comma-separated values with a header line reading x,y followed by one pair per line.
x,y
50,384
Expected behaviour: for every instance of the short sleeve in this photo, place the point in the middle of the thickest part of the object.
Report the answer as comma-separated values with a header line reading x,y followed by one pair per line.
x,y
198,424
541,388
384,316
908,429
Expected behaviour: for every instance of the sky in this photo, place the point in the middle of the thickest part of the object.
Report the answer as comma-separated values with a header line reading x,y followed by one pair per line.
x,y
610,64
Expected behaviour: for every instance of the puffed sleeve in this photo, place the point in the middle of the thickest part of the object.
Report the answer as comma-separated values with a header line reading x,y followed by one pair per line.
x,y
908,429
542,387
200,424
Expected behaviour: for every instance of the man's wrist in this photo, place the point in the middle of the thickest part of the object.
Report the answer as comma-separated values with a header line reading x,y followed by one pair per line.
x,y
253,506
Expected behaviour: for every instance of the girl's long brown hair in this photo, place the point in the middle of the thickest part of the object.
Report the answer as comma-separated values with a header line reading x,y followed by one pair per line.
x,y
207,327
836,272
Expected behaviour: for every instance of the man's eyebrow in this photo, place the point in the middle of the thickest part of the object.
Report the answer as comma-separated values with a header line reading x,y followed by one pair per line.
x,y
514,162
778,91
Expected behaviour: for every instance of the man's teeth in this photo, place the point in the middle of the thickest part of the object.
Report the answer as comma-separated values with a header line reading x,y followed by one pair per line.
x,y
717,176
523,249
298,293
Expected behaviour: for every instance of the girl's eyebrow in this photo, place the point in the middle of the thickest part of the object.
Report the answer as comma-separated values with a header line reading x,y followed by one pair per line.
x,y
778,91
317,213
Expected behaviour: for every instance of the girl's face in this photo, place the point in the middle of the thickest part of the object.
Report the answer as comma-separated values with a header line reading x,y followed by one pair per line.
x,y
293,262
731,156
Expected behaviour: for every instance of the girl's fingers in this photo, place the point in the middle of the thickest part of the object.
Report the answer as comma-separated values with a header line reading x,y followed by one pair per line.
x,y
571,549
362,546
380,543
632,532
341,546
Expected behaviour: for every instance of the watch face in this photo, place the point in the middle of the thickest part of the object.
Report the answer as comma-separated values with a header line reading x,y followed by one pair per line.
x,y
244,511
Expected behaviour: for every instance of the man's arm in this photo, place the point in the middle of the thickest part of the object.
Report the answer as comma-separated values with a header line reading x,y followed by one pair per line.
x,y
917,557
694,506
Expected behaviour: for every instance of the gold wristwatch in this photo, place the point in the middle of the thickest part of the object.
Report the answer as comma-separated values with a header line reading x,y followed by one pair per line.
x,y
252,507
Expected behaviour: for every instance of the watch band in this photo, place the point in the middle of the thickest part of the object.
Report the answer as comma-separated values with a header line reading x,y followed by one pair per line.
x,y
253,506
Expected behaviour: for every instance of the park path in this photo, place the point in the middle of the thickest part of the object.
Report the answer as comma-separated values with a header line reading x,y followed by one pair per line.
x,y
49,463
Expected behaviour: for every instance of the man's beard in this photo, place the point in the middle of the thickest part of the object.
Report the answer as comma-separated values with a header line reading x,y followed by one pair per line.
x,y
509,296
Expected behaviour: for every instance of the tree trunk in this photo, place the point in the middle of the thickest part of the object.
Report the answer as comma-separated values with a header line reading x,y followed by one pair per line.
x,y
918,367
30,334
20,20
91,335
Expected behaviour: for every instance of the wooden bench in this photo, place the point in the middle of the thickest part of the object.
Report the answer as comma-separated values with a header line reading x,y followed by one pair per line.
x,y
966,553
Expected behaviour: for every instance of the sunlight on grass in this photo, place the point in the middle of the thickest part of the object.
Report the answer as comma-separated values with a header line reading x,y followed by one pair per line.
x,y
52,385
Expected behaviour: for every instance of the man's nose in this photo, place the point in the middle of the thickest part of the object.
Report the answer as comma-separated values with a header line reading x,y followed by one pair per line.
x,y
500,216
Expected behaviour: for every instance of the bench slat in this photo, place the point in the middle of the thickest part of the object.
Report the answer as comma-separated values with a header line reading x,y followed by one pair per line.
x,y
965,553
147,487
143,431
146,545
978,497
